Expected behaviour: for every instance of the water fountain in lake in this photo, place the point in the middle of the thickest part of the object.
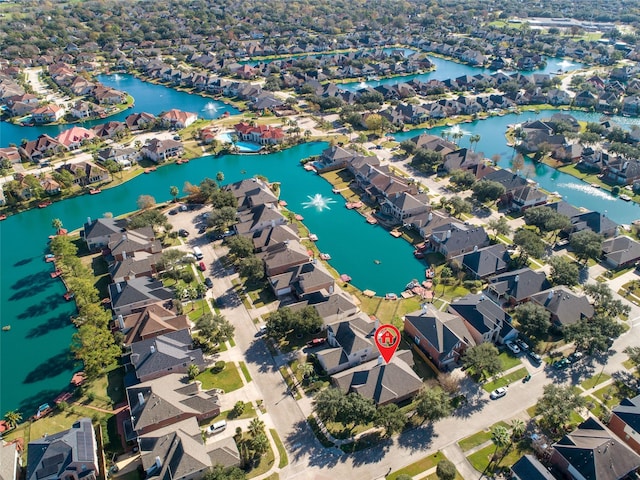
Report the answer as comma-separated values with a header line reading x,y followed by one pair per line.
x,y
117,77
564,64
318,202
362,85
455,130
588,189
210,107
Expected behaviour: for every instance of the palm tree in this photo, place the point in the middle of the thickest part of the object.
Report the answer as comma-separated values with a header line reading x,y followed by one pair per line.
x,y
306,368
56,223
256,427
307,134
173,191
517,428
13,418
180,291
201,289
193,371
457,135
500,438
474,139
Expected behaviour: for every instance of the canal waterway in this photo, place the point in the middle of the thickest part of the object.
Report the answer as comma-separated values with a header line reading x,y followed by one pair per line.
x,y
34,354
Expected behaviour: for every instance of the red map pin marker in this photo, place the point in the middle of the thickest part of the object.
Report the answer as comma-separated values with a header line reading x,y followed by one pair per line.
x,y
387,339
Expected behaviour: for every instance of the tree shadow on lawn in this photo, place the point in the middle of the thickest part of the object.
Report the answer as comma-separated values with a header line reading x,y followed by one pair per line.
x,y
303,442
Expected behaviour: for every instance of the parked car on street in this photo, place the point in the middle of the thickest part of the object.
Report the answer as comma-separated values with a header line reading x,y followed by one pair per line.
x,y
183,233
498,393
535,358
208,282
202,267
575,357
561,364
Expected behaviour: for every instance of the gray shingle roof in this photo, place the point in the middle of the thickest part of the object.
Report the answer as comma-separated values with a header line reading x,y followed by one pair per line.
x,y
621,250
485,261
568,307
481,313
629,412
165,351
519,284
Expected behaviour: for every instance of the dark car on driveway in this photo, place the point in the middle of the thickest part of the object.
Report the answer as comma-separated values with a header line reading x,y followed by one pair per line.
x,y
183,233
208,282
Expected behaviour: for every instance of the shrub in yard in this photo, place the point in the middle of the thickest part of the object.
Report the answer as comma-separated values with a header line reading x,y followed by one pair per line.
x,y
187,276
218,367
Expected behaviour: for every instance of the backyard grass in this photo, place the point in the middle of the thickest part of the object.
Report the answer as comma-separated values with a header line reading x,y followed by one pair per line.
x,y
589,383
245,371
284,460
228,379
479,438
339,431
196,309
505,380
418,467
107,390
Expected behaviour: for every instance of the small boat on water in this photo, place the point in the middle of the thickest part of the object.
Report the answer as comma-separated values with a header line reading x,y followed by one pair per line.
x,y
412,284
625,197
69,296
313,237
325,256
49,257
44,204
43,410
377,262
345,278
56,274
6,328
300,218
3,217
95,191
391,296
595,185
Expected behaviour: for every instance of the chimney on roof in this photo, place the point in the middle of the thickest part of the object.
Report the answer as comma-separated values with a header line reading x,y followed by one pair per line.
x,y
430,216
475,248
140,399
448,233
152,349
158,463
550,296
124,255
120,322
516,278
380,360
118,287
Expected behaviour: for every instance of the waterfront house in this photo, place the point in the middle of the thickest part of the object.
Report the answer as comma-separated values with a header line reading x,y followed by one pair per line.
x,y
484,262
517,286
333,308
461,159
434,143
140,242
404,205
251,192
43,146
50,186
47,114
267,237
565,307
150,322
303,281
350,343
393,382
335,158
442,336
97,233
283,256
175,452
595,221
622,171
175,118
139,121
86,173
124,156
108,95
170,352
591,452
165,401
620,252
71,454
75,137
259,217
110,129
260,134
134,267
160,150
524,197
625,422
454,239
509,180
485,320
137,293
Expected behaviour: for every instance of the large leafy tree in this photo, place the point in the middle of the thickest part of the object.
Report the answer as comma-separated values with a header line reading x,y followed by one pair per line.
x,y
433,404
218,472
95,347
463,179
252,268
240,246
499,226
487,191
284,320
328,403
556,405
446,470
391,418
483,360
529,242
564,271
533,320
593,334
634,356
586,244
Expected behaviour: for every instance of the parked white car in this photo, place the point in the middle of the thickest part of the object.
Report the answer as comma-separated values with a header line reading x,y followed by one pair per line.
x,y
498,393
513,347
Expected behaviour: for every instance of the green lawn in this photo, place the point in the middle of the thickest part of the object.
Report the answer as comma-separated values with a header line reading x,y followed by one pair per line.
x,y
245,371
480,459
505,380
595,380
196,309
479,438
291,382
265,464
418,467
508,361
248,412
612,394
228,379
284,460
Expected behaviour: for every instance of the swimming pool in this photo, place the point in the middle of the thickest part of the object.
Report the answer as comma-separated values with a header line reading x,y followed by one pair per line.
x,y
245,147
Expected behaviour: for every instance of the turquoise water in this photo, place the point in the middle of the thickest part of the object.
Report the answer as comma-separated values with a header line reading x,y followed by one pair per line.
x,y
35,361
242,146
148,97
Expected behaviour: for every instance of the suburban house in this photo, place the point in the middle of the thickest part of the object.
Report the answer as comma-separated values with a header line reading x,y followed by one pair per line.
x,y
97,233
620,252
142,265
175,118
383,383
10,153
485,320
267,237
566,307
454,239
404,205
517,286
139,121
334,308
125,156
591,452
86,173
260,134
110,129
165,401
283,256
442,336
44,145
71,454
625,422
11,460
623,171
136,293
524,197
484,262
171,352
150,322
74,137
133,243
530,468
160,150
350,343
303,280
47,114
335,158
258,218
251,192
175,452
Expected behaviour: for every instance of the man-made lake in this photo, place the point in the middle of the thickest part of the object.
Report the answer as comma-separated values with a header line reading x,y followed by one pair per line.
x,y
34,354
